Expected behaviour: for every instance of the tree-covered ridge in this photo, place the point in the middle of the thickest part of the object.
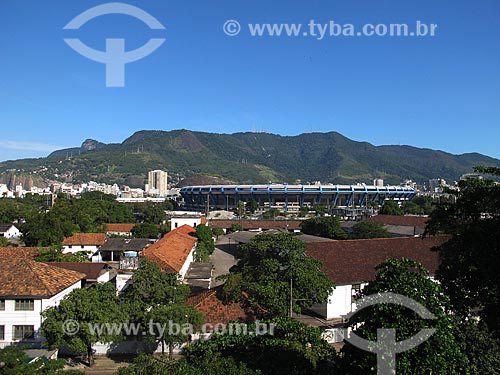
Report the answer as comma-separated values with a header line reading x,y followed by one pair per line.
x,y
248,158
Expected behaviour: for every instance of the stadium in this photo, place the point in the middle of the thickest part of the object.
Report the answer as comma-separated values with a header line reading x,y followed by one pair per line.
x,y
290,197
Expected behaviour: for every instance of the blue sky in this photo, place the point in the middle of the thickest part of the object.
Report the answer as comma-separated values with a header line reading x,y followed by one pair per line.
x,y
439,92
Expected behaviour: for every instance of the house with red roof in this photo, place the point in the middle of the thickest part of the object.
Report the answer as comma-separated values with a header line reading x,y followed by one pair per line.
x,y
26,289
87,242
174,252
351,265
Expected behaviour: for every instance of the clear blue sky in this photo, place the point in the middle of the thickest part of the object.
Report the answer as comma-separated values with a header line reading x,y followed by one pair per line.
x,y
441,92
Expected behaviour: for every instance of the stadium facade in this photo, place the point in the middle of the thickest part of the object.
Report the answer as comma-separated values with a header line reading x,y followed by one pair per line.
x,y
290,197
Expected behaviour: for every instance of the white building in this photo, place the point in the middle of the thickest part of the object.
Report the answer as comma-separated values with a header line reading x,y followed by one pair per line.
x,y
87,242
157,183
351,265
9,231
191,220
27,289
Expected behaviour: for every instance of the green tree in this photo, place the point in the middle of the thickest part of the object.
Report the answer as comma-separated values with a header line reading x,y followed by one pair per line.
x,y
4,242
150,287
320,209
252,205
266,266
271,214
391,207
205,245
235,228
217,232
146,364
289,347
328,227
440,354
145,230
15,362
369,229
55,254
241,208
96,305
469,267
174,323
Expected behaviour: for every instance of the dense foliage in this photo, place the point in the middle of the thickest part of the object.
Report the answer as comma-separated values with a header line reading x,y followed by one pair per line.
x,y
469,269
369,229
251,158
83,308
291,348
328,227
266,267
14,361
440,354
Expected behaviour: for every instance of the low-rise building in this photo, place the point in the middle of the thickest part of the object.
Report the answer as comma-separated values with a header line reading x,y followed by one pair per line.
x,y
351,265
9,231
86,242
27,289
174,252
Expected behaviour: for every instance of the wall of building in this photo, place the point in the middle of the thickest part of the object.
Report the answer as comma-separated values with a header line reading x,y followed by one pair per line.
x,y
10,317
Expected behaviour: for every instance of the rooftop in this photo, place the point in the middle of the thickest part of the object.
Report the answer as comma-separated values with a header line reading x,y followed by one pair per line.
x,y
20,252
85,239
216,311
27,278
91,270
5,227
172,250
354,261
256,224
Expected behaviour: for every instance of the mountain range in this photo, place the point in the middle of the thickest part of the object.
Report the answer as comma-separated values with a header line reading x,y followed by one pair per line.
x,y
197,157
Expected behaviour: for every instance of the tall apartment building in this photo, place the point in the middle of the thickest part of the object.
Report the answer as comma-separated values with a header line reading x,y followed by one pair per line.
x,y
157,183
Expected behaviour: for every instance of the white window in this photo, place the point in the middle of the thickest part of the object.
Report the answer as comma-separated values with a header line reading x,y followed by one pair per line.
x,y
24,332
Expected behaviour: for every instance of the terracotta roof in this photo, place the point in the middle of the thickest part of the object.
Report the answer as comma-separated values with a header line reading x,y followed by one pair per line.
x,y
256,224
185,229
408,221
204,221
120,228
91,270
354,261
20,252
27,278
172,250
215,311
88,239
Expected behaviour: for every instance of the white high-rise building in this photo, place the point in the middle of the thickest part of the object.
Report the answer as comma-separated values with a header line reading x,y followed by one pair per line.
x,y
157,182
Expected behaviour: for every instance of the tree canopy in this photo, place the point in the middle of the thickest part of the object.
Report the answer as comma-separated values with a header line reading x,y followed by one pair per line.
x,y
328,227
266,267
369,229
440,354
469,268
76,321
391,207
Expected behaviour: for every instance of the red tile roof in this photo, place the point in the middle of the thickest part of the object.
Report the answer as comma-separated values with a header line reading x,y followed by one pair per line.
x,y
407,221
354,261
91,270
256,224
215,311
27,278
172,250
20,252
85,239
119,228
